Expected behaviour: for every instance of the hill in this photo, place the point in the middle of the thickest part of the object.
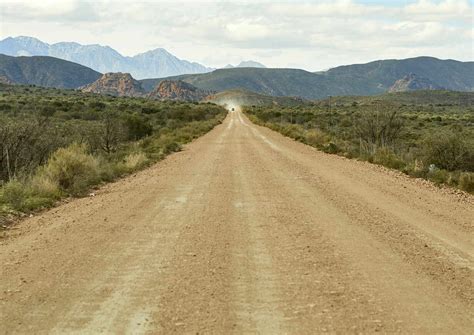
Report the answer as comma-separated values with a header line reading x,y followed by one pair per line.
x,y
153,63
247,98
116,84
45,71
178,90
275,82
360,79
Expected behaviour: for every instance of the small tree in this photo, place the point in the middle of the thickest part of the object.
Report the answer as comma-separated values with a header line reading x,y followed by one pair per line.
x,y
112,132
378,128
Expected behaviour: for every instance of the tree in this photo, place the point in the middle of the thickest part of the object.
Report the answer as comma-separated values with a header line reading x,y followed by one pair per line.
x,y
112,132
378,128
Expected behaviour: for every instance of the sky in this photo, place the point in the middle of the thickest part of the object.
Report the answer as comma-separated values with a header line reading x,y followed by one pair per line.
x,y
313,35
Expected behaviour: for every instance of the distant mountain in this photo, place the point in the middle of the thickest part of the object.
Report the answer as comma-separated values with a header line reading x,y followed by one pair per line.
x,y
412,82
251,63
379,76
247,63
154,63
360,79
116,84
178,90
45,71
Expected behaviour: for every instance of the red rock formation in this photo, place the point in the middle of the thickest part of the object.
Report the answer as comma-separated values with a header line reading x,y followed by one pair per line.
x,y
116,84
178,90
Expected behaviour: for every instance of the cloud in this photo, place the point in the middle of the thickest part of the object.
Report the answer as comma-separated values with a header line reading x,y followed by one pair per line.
x,y
338,8
314,34
439,10
46,10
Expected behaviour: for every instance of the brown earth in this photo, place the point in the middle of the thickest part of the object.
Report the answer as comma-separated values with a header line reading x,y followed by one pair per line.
x,y
246,231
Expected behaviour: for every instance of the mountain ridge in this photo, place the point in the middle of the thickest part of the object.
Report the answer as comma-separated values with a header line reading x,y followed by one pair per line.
x,y
152,63
359,79
45,71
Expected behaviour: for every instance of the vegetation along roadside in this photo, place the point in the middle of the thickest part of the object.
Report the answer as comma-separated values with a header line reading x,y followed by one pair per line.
x,y
427,134
59,143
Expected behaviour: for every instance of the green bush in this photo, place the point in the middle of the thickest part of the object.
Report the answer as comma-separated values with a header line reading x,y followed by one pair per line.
x,y
450,151
171,147
331,148
72,168
386,157
14,195
438,176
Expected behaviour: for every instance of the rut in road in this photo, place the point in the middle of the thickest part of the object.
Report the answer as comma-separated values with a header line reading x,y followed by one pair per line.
x,y
245,231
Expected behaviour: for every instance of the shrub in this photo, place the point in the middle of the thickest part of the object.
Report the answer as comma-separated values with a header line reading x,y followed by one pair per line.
x,y
316,138
135,161
386,157
137,127
14,194
466,182
378,128
43,186
449,151
331,148
439,176
72,168
171,147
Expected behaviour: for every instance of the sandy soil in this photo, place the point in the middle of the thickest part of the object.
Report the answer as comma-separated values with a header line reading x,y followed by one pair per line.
x,y
245,231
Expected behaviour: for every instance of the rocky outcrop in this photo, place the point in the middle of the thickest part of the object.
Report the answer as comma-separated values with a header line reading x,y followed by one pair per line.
x,y
5,80
178,90
412,82
116,84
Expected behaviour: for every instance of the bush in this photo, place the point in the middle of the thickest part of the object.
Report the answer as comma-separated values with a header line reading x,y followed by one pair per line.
x,y
43,186
331,148
438,176
386,157
171,147
14,194
135,161
449,151
316,138
72,168
466,182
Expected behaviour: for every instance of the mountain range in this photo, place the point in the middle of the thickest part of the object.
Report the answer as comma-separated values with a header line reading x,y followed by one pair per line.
x,y
359,79
153,63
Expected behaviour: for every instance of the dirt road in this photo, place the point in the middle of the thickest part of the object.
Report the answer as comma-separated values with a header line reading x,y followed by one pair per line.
x,y
245,231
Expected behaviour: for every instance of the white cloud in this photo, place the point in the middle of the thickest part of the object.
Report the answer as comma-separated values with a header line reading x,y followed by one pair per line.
x,y
308,34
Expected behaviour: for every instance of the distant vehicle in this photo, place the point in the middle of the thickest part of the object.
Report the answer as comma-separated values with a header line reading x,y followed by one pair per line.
x,y
232,109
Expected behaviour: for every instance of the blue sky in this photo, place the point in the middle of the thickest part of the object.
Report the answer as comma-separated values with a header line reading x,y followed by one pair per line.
x,y
313,35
